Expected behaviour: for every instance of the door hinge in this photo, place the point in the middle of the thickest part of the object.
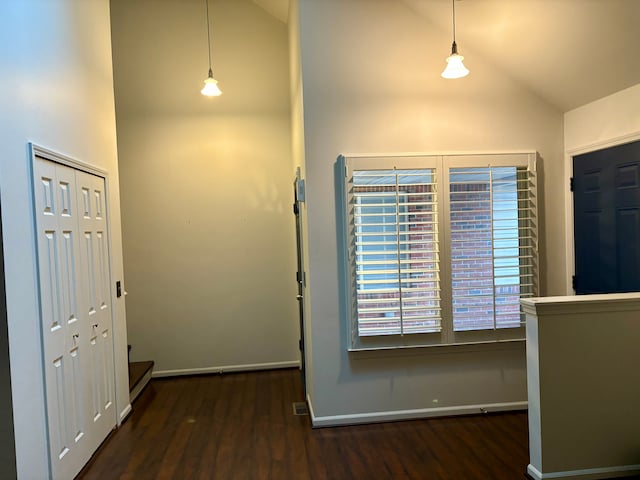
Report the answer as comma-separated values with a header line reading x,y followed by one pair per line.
x,y
573,282
572,184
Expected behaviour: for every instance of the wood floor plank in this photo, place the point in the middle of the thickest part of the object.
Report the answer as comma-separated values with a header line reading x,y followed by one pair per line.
x,y
241,426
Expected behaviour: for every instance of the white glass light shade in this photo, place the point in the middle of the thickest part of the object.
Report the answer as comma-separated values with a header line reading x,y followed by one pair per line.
x,y
455,68
211,88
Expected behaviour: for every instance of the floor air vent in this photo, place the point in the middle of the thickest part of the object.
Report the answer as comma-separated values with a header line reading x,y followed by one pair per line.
x,y
300,408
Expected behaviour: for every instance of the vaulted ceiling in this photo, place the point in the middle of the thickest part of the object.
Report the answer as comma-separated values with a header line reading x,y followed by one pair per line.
x,y
569,52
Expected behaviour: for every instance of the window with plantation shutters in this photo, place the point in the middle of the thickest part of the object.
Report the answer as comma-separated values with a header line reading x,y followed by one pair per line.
x,y
439,249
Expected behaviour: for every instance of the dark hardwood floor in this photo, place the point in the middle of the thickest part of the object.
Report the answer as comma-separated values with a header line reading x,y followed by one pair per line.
x,y
241,426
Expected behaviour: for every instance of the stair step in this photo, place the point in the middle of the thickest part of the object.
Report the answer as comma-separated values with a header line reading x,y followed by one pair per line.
x,y
139,376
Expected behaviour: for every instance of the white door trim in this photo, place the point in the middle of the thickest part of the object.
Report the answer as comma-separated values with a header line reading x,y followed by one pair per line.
x,y
42,152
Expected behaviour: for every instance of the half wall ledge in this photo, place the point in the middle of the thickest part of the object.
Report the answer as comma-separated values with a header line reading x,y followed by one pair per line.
x,y
583,382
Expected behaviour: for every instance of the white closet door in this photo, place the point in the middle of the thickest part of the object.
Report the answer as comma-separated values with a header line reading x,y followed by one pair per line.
x,y
94,258
64,331
75,299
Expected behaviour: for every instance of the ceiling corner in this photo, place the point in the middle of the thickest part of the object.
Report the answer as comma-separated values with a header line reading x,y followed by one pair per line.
x,y
278,9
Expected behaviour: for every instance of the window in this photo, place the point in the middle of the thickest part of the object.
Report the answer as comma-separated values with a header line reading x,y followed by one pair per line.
x,y
440,248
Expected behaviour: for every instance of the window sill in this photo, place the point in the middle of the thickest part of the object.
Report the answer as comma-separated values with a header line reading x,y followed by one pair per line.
x,y
417,349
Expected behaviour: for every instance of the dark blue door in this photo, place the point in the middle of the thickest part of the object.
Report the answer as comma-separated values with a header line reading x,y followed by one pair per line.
x,y
607,220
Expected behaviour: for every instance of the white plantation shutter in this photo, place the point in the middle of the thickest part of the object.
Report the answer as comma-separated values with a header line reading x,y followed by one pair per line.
x,y
402,212
492,242
395,251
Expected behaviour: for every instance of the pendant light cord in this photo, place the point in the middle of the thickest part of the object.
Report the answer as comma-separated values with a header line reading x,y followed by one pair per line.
x,y
209,38
453,4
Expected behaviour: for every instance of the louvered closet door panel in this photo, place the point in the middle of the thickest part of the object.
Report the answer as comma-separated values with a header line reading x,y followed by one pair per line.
x,y
64,333
94,254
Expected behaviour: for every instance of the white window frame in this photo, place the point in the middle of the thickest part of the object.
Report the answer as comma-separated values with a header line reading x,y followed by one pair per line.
x,y
442,163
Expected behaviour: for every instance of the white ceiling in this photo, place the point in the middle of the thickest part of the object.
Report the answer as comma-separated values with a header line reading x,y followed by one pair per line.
x,y
569,52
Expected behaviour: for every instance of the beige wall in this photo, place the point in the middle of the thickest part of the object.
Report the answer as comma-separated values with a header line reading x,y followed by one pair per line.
x,y
56,90
207,186
371,74
609,120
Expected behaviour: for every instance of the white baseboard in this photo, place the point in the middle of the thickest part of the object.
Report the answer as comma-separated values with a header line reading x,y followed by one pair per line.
x,y
587,474
391,416
226,369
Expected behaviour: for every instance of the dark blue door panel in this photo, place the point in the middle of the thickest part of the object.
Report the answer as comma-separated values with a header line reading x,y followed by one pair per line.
x,y
607,220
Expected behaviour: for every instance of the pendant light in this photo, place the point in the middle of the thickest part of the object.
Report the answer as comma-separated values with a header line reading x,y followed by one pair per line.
x,y
455,68
210,88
